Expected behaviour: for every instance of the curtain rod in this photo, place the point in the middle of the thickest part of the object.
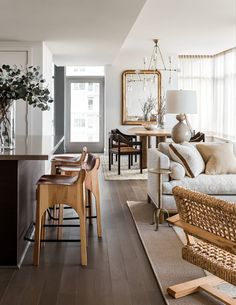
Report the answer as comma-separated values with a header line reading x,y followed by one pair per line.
x,y
208,56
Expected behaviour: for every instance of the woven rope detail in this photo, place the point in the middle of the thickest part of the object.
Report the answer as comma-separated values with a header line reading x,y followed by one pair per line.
x,y
217,261
206,212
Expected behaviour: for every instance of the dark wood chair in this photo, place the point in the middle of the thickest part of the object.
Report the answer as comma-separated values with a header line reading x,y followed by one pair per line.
x,y
198,137
113,144
124,147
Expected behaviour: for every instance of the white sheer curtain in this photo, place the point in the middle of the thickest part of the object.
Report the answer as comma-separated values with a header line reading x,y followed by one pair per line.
x,y
214,80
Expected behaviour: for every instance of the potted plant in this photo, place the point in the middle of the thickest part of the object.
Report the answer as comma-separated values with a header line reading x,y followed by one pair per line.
x,y
19,84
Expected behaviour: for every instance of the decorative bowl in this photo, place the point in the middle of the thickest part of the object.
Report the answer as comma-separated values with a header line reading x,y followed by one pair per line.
x,y
149,126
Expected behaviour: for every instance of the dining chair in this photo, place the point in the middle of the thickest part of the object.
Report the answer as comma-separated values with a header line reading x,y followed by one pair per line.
x,y
132,148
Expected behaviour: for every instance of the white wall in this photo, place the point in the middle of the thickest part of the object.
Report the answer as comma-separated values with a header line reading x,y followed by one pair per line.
x,y
21,54
113,89
36,54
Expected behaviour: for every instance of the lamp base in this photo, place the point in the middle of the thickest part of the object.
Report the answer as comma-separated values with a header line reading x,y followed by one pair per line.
x,y
180,132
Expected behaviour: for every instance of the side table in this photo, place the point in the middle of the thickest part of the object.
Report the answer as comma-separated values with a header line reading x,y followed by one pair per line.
x,y
159,172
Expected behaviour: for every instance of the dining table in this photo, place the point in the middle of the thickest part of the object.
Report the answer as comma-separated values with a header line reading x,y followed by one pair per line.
x,y
145,136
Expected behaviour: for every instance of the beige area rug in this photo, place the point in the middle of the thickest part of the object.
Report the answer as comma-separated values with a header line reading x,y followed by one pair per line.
x,y
163,249
126,174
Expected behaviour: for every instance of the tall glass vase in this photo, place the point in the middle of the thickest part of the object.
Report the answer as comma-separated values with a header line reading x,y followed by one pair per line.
x,y
160,121
7,127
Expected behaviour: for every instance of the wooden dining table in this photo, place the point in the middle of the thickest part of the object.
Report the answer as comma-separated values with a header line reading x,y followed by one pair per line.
x,y
145,135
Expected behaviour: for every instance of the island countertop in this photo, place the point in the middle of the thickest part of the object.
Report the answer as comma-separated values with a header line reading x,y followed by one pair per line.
x,y
33,147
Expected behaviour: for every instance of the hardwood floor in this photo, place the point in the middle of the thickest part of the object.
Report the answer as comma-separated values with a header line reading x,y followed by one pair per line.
x,y
118,272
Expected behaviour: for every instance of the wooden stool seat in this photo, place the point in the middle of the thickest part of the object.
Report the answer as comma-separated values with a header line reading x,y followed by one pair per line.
x,y
69,168
57,179
61,158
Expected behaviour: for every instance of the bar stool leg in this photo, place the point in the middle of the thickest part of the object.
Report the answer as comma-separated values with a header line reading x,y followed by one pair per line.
x,y
83,240
60,221
98,211
89,201
43,229
39,214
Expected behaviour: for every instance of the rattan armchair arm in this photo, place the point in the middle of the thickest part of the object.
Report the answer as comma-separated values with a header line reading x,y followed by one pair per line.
x,y
211,238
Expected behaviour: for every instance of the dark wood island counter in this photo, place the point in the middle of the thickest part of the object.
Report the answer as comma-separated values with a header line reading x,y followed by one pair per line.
x,y
19,171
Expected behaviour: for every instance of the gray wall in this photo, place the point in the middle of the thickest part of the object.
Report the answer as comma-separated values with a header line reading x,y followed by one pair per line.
x,y
59,103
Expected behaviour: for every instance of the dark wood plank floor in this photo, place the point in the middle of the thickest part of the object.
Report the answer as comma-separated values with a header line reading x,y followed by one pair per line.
x,y
118,272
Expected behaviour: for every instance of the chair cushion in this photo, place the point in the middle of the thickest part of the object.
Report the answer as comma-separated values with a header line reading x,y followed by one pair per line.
x,y
208,184
187,155
219,158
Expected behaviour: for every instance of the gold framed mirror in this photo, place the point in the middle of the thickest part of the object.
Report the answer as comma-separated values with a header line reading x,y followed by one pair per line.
x,y
137,88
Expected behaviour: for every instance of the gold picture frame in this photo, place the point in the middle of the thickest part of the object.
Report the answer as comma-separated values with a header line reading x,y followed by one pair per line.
x,y
132,102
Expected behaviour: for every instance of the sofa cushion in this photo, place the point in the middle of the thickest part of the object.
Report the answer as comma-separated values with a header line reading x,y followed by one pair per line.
x,y
164,148
219,158
187,155
177,170
208,184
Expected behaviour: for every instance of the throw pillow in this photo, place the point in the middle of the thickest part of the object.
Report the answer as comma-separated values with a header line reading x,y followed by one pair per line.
x,y
219,158
177,171
187,155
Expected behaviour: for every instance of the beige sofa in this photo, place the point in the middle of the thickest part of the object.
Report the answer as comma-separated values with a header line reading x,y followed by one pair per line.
x,y
222,186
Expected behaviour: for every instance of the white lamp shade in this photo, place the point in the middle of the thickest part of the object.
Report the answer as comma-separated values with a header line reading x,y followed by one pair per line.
x,y
181,101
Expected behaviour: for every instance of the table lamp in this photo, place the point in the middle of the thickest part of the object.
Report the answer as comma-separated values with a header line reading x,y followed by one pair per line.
x,y
182,102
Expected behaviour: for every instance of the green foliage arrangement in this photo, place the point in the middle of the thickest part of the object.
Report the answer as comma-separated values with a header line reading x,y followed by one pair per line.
x,y
19,84
23,84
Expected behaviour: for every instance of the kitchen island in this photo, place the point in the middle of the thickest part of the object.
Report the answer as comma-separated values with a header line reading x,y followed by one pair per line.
x,y
19,171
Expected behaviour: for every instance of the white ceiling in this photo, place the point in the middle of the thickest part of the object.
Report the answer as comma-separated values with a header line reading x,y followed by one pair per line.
x,y
76,31
93,31
185,26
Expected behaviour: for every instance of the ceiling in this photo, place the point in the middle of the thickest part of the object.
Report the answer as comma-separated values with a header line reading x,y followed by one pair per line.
x,y
185,26
92,32
76,31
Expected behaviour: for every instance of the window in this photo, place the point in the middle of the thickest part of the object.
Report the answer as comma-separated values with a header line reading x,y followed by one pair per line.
x,y
90,103
79,123
76,86
214,80
90,123
84,71
90,86
81,86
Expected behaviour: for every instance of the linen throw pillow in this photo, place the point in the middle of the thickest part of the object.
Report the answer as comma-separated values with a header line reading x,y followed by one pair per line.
x,y
219,158
187,155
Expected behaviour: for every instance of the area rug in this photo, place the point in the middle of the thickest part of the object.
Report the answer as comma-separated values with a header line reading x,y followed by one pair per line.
x,y
126,174
163,248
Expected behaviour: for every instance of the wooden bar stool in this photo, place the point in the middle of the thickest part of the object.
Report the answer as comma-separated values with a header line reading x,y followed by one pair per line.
x,y
60,160
58,189
91,185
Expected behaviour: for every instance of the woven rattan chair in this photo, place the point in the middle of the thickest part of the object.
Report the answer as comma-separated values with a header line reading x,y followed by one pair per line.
x,y
213,222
